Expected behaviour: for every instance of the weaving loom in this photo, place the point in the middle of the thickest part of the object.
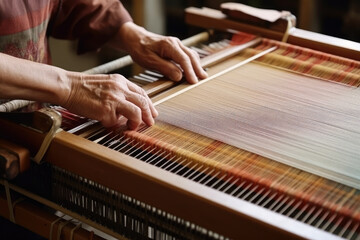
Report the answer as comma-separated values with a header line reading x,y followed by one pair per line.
x,y
266,147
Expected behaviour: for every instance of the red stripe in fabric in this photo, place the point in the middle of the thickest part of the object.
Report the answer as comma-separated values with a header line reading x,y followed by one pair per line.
x,y
24,21
350,67
211,147
11,8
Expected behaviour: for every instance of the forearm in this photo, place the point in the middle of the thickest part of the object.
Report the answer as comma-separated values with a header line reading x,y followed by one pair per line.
x,y
22,79
102,97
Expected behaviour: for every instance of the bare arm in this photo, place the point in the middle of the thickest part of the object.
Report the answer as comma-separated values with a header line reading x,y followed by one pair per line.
x,y
25,79
102,97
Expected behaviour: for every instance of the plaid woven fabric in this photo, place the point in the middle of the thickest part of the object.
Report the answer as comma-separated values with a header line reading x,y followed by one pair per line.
x,y
196,150
309,62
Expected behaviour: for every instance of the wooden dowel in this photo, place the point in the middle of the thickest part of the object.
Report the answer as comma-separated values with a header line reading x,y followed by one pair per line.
x,y
14,159
111,66
215,75
13,105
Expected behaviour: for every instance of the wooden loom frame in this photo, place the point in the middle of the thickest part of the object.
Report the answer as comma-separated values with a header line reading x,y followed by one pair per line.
x,y
211,18
214,210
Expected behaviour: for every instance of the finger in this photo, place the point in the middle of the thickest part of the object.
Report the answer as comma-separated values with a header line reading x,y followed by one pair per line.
x,y
108,116
133,87
180,57
131,112
165,67
142,103
195,61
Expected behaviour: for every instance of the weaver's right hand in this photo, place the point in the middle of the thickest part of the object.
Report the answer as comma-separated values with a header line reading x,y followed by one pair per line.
x,y
165,54
108,97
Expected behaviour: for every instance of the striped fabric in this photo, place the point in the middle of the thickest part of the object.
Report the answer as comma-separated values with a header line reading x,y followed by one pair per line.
x,y
248,168
309,62
25,25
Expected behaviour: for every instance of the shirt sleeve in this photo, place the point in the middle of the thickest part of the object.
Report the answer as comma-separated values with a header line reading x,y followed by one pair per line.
x,y
92,22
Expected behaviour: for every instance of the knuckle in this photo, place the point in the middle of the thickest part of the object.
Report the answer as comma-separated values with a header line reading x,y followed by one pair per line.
x,y
113,76
172,40
185,60
143,103
175,39
117,78
106,115
136,112
137,115
107,109
194,53
142,92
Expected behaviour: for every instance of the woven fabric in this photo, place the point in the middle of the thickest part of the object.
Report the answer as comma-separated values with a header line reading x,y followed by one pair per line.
x,y
198,150
309,62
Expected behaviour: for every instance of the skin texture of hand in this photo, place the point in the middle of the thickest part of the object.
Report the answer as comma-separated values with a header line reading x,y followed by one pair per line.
x,y
101,97
108,97
156,52
105,98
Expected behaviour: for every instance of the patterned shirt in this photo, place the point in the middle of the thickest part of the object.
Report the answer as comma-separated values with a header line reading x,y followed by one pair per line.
x,y
26,24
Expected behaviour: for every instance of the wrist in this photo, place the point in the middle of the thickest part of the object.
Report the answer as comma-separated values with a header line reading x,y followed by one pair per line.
x,y
69,82
128,34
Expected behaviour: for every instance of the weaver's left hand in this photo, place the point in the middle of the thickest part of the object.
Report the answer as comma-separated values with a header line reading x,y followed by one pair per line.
x,y
156,52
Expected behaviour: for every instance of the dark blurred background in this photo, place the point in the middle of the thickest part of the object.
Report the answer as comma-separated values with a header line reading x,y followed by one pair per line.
x,y
339,18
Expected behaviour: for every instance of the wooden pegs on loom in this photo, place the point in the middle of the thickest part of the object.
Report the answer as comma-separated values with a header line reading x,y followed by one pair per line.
x,y
14,159
14,154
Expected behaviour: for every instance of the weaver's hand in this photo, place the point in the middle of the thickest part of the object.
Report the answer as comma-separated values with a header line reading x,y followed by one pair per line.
x,y
164,54
108,97
101,97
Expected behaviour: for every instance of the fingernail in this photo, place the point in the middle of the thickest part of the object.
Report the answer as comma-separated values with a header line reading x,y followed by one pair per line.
x,y
195,80
176,76
205,74
156,113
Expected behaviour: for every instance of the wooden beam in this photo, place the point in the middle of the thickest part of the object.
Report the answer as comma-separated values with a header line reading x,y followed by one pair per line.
x,y
214,19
